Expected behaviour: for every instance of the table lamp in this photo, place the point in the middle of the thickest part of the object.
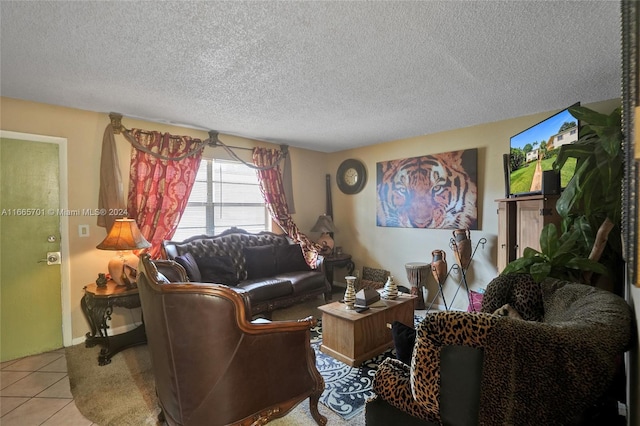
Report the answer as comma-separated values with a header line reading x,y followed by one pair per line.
x,y
124,236
324,224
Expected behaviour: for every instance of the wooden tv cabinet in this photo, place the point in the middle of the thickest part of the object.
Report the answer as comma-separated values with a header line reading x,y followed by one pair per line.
x,y
520,222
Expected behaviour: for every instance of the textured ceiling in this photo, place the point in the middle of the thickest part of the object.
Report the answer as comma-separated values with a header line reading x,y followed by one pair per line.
x,y
325,76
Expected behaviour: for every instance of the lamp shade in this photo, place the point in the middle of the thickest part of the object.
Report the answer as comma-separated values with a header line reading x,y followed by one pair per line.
x,y
124,235
324,224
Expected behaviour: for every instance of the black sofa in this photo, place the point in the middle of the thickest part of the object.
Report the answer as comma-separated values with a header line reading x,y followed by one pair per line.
x,y
267,268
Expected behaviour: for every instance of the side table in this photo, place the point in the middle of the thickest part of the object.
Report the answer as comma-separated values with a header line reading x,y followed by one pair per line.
x,y
97,305
337,261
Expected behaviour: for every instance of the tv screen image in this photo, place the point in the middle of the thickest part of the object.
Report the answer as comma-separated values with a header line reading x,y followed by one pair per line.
x,y
535,149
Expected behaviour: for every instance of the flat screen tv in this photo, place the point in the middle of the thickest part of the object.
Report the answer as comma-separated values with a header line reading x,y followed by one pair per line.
x,y
535,149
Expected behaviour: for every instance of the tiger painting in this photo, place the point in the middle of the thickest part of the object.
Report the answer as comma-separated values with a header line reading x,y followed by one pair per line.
x,y
432,191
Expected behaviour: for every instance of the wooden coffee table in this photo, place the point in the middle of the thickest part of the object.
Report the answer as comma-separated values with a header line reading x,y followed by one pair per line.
x,y
353,337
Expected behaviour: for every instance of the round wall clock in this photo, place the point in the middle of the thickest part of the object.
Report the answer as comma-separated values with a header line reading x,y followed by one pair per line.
x,y
351,176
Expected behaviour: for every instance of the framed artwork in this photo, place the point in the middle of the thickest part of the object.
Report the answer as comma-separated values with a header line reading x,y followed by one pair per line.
x,y
437,191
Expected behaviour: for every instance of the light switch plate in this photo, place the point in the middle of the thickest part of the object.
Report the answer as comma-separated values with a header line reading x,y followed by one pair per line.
x,y
83,231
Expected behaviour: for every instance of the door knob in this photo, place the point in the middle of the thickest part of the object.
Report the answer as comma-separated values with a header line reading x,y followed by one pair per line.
x,y
53,258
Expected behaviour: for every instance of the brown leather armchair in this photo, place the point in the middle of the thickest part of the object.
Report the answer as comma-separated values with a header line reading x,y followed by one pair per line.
x,y
214,367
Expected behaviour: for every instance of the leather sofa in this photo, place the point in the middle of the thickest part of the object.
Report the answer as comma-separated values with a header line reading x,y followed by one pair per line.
x,y
214,367
267,268
554,365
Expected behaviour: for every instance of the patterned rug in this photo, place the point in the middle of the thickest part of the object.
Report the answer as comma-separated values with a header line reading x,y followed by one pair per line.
x,y
346,389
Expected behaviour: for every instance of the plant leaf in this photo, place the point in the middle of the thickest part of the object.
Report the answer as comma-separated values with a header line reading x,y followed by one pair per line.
x,y
574,191
529,252
611,140
584,232
540,271
588,115
567,243
585,264
549,240
519,265
580,150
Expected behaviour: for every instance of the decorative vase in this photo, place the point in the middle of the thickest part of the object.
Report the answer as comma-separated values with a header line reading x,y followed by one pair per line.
x,y
350,292
439,266
461,246
390,290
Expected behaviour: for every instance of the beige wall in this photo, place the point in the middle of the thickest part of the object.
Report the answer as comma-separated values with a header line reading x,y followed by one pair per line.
x,y
83,131
391,248
354,215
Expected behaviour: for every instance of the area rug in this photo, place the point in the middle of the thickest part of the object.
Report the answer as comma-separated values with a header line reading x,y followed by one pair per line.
x,y
121,393
346,389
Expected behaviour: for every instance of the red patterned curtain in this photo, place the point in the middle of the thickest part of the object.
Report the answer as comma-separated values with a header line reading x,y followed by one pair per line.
x,y
163,169
270,178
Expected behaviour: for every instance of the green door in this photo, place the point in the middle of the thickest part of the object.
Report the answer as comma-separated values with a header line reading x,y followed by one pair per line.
x,y
30,288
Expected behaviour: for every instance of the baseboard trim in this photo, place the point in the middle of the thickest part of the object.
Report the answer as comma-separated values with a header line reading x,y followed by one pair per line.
x,y
110,332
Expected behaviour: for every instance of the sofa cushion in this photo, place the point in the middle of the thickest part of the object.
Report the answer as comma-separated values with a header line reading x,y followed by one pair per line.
x,y
289,258
260,290
260,261
190,265
520,291
303,281
217,269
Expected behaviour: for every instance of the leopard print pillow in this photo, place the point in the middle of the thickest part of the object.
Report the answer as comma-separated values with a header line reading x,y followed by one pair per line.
x,y
519,291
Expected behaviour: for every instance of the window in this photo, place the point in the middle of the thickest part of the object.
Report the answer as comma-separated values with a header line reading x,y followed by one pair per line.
x,y
225,194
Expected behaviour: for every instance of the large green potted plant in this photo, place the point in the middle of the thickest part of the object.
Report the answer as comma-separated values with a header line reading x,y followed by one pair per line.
x,y
590,206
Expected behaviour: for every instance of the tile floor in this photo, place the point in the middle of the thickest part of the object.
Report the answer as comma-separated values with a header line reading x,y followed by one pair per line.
x,y
35,391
